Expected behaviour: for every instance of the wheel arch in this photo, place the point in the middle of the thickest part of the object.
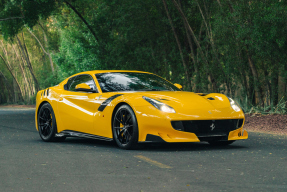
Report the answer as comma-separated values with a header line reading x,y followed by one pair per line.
x,y
133,142
38,109
114,112
115,109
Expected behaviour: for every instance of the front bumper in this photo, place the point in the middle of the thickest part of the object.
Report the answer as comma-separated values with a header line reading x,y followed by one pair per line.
x,y
160,127
237,134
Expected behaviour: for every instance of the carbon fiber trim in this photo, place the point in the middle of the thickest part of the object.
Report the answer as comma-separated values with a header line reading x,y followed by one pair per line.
x,y
107,101
68,133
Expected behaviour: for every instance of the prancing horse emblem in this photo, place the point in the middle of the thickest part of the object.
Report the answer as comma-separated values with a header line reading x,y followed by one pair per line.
x,y
212,126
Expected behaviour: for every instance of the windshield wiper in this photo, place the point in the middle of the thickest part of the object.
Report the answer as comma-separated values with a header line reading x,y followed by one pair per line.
x,y
152,90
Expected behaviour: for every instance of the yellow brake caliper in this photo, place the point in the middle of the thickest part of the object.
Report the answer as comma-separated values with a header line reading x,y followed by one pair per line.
x,y
51,120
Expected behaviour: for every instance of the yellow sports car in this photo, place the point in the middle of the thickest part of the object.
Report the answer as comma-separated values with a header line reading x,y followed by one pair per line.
x,y
132,107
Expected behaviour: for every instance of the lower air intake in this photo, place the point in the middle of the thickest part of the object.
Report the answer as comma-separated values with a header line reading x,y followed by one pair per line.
x,y
208,128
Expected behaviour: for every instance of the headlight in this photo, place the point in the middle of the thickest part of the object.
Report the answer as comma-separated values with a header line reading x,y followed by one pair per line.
x,y
234,106
159,105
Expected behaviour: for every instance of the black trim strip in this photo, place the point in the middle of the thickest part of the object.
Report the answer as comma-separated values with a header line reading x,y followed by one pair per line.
x,y
69,133
107,101
66,86
153,138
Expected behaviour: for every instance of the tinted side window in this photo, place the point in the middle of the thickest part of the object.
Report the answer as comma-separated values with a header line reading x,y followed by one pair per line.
x,y
70,81
87,79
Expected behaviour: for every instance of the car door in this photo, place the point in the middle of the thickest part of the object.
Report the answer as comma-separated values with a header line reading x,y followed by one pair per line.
x,y
77,108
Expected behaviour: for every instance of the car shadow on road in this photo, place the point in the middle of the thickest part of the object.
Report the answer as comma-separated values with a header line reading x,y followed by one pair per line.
x,y
202,146
156,147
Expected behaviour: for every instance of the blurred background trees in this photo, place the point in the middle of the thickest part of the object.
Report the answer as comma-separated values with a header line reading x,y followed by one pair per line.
x,y
227,46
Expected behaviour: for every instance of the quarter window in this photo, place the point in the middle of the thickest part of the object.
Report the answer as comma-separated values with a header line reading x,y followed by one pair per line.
x,y
74,81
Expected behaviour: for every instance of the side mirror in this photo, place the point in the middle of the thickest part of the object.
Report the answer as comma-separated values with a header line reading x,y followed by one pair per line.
x,y
178,85
84,87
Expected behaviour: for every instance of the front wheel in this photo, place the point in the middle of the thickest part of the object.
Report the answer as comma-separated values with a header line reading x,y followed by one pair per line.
x,y
47,125
220,143
125,128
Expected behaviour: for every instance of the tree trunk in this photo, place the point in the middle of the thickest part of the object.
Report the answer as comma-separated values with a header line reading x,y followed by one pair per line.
x,y
268,85
190,30
197,44
214,51
191,55
3,98
21,64
274,86
14,77
26,57
30,66
10,97
82,18
284,83
46,52
188,82
258,90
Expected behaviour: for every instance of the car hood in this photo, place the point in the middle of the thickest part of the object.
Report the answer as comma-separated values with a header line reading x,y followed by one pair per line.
x,y
188,100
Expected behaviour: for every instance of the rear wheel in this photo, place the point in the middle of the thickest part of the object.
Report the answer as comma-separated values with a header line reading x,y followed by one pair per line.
x,y
125,128
47,125
220,143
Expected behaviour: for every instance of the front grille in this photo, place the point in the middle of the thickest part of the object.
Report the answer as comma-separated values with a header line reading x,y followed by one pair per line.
x,y
208,128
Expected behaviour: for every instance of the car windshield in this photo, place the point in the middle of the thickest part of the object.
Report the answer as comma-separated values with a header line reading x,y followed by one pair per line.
x,y
129,81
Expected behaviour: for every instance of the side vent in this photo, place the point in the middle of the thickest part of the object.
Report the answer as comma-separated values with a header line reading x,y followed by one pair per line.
x,y
239,123
48,92
202,94
163,99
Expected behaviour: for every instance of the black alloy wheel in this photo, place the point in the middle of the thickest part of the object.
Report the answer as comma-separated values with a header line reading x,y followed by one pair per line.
x,y
47,125
125,128
220,143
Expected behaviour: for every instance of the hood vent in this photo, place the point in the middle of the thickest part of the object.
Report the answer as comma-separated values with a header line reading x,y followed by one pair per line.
x,y
162,99
202,94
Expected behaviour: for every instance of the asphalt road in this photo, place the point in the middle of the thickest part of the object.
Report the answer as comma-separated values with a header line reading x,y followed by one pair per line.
x,y
29,164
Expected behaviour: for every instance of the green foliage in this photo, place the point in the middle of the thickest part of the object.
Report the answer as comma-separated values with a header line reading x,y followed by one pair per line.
x,y
280,108
137,35
24,12
127,40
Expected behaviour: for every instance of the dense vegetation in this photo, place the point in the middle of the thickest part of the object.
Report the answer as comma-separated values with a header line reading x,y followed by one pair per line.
x,y
236,47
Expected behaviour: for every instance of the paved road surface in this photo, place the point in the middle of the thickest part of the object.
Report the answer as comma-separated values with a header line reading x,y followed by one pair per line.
x,y
28,164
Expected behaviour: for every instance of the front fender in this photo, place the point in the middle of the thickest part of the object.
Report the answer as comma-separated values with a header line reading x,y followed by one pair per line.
x,y
50,95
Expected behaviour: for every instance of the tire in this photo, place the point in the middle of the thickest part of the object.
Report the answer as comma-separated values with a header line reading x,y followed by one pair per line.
x,y
220,143
125,128
47,125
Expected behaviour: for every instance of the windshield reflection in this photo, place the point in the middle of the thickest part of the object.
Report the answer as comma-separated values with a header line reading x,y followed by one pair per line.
x,y
129,81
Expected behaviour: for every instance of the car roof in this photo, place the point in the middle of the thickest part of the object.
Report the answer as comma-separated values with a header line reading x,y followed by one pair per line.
x,y
108,71
111,71
102,71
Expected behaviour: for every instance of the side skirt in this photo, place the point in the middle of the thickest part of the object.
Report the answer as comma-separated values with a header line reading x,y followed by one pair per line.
x,y
68,133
